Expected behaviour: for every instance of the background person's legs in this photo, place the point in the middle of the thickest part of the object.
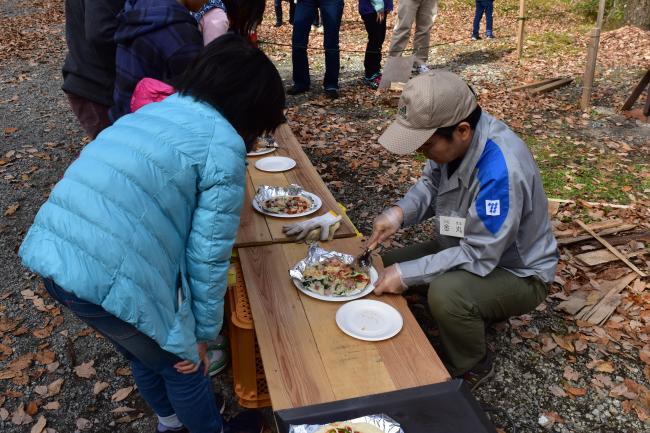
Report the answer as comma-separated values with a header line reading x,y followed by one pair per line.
x,y
406,11
278,12
376,35
331,12
478,14
489,5
92,116
461,303
302,20
424,19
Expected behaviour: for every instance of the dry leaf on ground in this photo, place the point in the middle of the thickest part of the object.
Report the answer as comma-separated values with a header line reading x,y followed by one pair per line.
x,y
85,370
83,423
53,405
39,426
121,394
99,387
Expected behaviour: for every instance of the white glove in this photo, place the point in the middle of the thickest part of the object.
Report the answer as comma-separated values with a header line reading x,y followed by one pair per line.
x,y
323,222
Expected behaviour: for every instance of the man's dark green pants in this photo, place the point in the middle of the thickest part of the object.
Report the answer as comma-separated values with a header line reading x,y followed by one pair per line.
x,y
462,303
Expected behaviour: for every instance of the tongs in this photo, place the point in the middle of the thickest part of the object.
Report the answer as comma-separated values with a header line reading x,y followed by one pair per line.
x,y
364,260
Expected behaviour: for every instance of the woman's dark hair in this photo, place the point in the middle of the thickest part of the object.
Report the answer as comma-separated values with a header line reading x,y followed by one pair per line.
x,y
241,82
472,119
244,15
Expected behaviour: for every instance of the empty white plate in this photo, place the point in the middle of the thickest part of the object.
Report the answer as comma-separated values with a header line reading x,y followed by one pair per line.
x,y
275,163
369,320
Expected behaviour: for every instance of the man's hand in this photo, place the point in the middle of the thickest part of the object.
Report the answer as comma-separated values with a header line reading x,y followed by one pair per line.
x,y
390,281
385,225
188,367
381,16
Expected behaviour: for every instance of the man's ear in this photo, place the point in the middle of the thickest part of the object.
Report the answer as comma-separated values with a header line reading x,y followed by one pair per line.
x,y
464,130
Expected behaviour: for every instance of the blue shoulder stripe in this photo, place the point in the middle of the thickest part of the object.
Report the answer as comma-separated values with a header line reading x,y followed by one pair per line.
x,y
492,202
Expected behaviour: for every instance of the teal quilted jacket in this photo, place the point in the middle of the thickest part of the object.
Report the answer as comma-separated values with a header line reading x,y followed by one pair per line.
x,y
144,221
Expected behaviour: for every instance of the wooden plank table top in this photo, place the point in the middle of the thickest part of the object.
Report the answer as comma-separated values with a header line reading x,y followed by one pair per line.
x,y
258,229
307,358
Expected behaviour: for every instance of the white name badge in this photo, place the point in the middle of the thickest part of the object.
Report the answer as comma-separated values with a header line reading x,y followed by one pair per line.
x,y
452,226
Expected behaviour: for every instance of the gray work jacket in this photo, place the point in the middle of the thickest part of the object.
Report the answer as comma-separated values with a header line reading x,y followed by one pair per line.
x,y
497,190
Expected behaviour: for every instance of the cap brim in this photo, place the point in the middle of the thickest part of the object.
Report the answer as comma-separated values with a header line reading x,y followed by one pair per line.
x,y
402,140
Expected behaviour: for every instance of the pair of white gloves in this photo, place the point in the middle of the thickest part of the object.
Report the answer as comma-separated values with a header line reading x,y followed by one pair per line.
x,y
321,227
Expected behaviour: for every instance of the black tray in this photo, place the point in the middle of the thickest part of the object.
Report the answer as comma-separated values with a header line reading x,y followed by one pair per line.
x,y
446,407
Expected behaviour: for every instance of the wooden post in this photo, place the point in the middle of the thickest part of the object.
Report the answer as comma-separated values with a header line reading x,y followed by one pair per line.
x,y
520,30
592,55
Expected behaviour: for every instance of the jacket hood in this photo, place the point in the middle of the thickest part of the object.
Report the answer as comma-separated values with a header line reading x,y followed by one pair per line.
x,y
140,17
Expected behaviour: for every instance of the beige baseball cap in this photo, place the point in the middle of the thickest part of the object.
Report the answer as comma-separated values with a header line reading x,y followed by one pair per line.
x,y
429,101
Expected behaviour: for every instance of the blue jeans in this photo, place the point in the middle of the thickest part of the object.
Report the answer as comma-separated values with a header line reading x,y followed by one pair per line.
x,y
167,391
331,12
481,7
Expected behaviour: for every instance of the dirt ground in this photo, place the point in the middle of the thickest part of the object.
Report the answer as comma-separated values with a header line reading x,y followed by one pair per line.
x,y
598,156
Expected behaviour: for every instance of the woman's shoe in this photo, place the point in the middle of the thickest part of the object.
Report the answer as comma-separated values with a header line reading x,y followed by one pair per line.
x,y
217,361
219,343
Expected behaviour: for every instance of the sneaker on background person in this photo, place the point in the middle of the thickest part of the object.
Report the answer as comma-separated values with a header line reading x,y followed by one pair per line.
x,y
218,360
372,81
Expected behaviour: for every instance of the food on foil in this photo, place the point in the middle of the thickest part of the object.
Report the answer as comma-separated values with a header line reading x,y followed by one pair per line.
x,y
349,427
333,277
287,204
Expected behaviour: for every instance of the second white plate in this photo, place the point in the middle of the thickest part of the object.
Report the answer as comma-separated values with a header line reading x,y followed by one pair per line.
x,y
275,163
369,320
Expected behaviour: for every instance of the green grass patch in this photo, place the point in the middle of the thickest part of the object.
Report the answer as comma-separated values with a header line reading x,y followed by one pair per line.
x,y
570,172
550,43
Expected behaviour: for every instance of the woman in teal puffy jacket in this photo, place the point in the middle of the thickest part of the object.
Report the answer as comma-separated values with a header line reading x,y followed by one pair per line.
x,y
136,238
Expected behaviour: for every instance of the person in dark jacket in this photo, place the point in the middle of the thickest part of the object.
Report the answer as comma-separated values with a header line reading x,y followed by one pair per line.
x,y
156,39
89,67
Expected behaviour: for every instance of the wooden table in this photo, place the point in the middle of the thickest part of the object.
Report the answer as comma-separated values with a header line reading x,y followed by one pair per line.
x,y
307,358
257,229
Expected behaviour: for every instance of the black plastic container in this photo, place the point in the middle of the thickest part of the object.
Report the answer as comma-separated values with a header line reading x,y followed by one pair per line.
x,y
446,407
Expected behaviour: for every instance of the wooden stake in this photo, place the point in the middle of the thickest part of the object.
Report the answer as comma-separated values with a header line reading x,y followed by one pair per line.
x,y
592,55
614,251
520,30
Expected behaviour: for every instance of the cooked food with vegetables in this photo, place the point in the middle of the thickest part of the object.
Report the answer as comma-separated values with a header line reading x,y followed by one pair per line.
x,y
332,277
349,427
287,204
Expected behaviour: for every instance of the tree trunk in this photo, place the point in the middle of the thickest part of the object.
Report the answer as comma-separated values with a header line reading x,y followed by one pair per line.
x,y
637,12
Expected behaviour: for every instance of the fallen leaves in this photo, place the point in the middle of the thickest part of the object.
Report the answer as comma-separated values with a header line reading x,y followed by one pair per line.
x,y
85,370
83,423
575,391
121,394
11,209
40,425
99,387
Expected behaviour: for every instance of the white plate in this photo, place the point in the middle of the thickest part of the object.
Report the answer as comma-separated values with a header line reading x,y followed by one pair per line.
x,y
369,320
317,203
262,151
369,288
275,163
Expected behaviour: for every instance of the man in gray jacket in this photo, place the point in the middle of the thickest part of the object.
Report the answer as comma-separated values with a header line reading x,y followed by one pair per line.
x,y
492,253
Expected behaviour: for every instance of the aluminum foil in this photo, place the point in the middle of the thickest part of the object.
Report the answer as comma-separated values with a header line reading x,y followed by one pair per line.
x,y
315,255
265,192
382,421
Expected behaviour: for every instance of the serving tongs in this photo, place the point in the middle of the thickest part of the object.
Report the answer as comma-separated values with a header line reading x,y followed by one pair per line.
x,y
364,260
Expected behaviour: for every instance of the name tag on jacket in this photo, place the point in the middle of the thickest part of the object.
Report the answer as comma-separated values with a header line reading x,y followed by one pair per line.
x,y
452,226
